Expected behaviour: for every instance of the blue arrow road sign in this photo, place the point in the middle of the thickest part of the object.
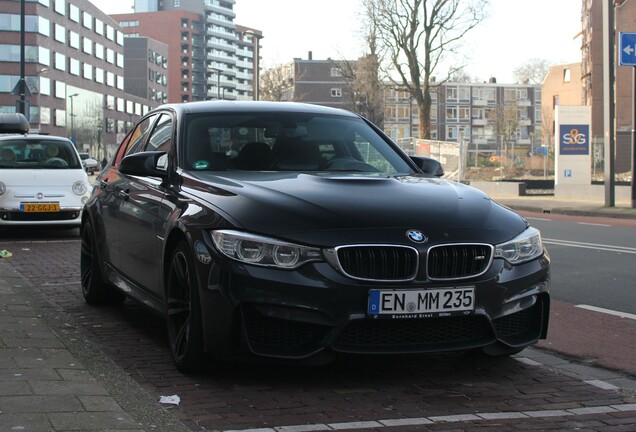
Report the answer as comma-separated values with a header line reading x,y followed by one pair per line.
x,y
627,44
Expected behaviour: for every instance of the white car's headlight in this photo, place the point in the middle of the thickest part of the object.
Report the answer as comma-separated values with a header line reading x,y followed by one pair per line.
x,y
525,247
263,251
3,188
79,188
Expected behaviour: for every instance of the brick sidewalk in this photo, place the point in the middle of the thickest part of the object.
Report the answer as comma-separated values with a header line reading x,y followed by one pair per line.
x,y
45,384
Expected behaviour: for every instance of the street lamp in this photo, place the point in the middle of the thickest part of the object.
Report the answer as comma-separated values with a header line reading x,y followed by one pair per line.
x,y
72,115
256,41
218,80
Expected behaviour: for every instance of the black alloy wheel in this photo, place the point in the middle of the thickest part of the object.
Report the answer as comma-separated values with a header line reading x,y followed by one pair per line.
x,y
94,290
183,311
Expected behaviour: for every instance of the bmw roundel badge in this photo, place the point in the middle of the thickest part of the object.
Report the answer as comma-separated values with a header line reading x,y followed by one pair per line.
x,y
416,236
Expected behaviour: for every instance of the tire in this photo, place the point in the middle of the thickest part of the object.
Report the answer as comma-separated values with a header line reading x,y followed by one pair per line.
x,y
183,311
94,290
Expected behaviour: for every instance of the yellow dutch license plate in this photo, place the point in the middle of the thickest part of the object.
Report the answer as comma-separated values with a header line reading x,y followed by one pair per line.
x,y
39,207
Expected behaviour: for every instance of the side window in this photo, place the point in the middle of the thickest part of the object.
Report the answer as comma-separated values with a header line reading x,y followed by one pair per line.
x,y
132,142
161,138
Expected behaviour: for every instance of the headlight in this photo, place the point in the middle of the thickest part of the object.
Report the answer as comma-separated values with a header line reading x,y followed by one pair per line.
x,y
79,188
263,251
525,247
3,188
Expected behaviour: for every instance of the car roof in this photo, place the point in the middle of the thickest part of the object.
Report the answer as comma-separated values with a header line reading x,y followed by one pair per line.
x,y
35,137
252,106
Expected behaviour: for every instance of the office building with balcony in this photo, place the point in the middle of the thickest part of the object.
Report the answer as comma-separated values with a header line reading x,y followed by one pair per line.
x,y
74,71
215,56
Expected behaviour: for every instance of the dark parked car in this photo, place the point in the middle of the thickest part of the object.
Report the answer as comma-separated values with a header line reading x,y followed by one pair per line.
x,y
292,231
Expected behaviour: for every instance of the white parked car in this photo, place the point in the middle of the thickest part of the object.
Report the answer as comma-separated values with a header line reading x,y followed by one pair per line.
x,y
42,181
90,164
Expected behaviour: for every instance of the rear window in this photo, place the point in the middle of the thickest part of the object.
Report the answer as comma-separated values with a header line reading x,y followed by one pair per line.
x,y
41,153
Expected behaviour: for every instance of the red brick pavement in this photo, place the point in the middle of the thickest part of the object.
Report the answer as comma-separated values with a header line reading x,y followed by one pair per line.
x,y
255,394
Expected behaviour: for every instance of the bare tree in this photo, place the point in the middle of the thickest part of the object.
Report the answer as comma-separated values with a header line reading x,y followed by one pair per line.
x,y
418,36
277,83
364,84
532,72
507,126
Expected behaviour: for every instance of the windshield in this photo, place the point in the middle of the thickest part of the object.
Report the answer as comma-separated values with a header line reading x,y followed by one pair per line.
x,y
43,153
287,142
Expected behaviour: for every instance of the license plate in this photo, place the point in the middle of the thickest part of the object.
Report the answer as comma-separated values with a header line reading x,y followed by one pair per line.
x,y
39,207
421,303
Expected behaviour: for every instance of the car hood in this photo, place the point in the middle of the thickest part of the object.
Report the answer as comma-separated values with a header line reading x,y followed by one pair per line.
x,y
358,208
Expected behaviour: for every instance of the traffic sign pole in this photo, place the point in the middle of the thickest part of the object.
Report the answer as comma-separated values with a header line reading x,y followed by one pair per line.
x,y
627,57
634,138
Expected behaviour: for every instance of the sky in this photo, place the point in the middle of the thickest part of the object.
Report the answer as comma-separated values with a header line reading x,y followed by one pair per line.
x,y
514,32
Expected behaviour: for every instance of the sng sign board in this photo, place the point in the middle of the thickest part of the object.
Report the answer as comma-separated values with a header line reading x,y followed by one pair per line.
x,y
574,140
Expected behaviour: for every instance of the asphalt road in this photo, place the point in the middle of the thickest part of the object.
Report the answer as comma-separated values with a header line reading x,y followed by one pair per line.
x,y
593,259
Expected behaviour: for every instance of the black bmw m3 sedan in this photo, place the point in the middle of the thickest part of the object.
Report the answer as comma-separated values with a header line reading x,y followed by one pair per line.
x,y
293,231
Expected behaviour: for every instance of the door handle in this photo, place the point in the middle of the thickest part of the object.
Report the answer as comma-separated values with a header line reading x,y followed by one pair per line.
x,y
123,194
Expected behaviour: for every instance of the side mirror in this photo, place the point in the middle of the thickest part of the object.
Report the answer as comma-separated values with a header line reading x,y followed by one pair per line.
x,y
428,166
13,123
145,164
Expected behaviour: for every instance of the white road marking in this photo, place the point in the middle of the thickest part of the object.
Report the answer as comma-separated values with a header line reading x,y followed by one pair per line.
x,y
539,219
607,311
583,245
593,224
456,418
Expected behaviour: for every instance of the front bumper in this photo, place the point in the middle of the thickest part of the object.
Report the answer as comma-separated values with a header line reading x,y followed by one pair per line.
x,y
299,314
66,216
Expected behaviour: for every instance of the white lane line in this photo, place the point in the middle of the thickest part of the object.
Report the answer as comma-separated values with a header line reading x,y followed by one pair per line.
x,y
457,418
583,245
593,224
539,219
607,311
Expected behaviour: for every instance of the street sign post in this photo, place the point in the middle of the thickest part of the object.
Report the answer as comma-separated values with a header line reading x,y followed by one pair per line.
x,y
627,57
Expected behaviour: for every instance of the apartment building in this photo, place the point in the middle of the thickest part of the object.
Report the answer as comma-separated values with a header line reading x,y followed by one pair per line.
x,y
182,33
215,55
488,117
74,69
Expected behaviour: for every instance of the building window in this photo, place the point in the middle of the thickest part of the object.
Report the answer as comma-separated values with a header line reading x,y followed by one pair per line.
x,y
60,62
99,51
60,7
336,72
60,34
566,75
87,21
74,67
336,92
99,27
74,40
99,75
88,71
74,13
451,114
44,26
110,33
60,118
